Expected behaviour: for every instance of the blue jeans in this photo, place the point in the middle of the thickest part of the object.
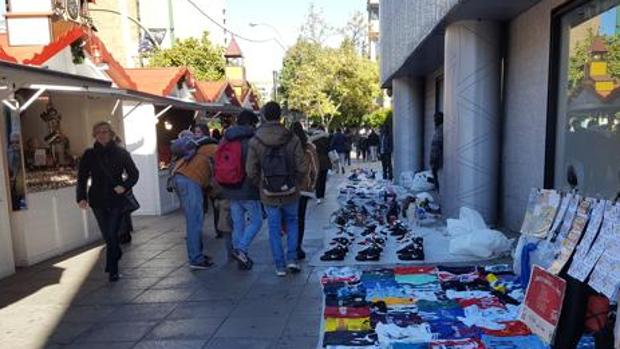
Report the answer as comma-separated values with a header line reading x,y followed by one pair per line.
x,y
275,216
243,231
190,195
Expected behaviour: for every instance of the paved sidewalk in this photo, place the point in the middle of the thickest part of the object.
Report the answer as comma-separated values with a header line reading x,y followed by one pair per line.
x,y
159,302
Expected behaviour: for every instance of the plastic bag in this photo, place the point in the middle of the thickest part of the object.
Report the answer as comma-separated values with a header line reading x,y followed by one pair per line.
x,y
483,243
468,221
423,181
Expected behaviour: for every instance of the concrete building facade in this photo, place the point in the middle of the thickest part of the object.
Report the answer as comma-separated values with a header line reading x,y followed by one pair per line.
x,y
504,74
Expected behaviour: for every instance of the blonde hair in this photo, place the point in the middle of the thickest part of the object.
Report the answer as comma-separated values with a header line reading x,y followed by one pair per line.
x,y
102,124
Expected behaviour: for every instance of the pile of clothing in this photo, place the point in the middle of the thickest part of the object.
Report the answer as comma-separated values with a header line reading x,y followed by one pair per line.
x,y
415,307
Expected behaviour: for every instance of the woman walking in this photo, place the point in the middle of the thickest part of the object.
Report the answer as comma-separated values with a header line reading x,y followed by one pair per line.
x,y
308,182
106,164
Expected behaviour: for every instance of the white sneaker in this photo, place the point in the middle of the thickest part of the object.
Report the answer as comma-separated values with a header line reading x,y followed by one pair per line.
x,y
281,272
293,267
319,201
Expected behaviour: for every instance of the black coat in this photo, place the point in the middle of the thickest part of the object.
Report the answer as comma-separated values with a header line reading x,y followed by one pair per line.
x,y
105,166
321,142
373,140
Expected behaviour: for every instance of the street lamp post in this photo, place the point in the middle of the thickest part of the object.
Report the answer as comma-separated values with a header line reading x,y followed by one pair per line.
x,y
278,40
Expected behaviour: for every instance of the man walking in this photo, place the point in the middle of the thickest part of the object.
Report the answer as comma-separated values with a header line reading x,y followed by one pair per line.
x,y
436,160
339,144
373,145
237,187
276,165
385,150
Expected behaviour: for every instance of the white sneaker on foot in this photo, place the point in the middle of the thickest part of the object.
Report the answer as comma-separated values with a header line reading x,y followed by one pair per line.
x,y
293,267
319,201
281,272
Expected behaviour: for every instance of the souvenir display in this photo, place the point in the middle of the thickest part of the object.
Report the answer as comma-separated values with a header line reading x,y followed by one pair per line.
x,y
425,307
43,180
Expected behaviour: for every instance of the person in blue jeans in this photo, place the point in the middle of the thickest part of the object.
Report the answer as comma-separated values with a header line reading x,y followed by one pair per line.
x,y
190,177
245,207
276,164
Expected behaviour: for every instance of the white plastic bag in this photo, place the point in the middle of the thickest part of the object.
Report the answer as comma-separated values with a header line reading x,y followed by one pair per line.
x,y
406,180
423,181
483,243
468,221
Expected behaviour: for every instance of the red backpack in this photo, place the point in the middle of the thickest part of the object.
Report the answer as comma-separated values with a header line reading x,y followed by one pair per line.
x,y
229,164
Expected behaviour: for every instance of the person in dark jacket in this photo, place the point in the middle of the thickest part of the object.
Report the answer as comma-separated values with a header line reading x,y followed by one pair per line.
x,y
105,164
373,145
339,144
245,207
436,160
283,207
320,139
385,150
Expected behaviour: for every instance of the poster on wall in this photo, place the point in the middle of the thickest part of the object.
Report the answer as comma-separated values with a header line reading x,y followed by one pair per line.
x,y
17,178
541,210
543,303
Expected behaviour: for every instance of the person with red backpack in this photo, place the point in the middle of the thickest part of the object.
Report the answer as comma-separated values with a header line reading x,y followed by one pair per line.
x,y
276,165
245,207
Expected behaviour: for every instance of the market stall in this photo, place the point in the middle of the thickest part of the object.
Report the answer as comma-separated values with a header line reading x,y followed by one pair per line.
x,y
54,131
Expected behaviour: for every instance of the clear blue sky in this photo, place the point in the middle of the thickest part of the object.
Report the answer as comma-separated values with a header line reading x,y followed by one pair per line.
x,y
286,16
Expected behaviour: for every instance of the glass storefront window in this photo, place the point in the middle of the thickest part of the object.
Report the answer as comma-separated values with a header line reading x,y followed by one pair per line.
x,y
588,129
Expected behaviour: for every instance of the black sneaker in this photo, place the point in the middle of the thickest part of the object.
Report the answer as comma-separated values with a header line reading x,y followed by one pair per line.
x,y
244,260
114,277
201,266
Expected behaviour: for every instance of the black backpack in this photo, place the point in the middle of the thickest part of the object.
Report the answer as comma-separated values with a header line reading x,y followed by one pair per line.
x,y
279,174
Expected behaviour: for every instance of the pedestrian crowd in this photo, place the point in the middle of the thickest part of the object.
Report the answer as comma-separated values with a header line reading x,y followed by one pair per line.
x,y
248,172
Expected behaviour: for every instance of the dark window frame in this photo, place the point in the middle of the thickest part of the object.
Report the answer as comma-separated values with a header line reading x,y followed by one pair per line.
x,y
555,48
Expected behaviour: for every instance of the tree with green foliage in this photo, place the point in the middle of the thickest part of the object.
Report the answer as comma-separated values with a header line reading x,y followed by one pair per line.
x,y
377,118
204,59
334,86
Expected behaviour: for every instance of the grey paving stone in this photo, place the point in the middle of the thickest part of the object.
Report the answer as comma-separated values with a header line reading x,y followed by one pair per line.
x,y
186,329
66,333
109,296
265,307
117,332
87,313
199,310
170,344
252,327
148,311
133,283
297,343
110,345
302,326
160,296
205,294
245,343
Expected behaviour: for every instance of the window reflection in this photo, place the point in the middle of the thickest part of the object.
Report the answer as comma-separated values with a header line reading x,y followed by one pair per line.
x,y
589,99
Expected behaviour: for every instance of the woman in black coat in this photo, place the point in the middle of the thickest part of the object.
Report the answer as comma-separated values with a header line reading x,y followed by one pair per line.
x,y
112,172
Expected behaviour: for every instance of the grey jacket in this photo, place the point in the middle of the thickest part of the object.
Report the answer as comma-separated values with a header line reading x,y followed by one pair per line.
x,y
272,133
247,191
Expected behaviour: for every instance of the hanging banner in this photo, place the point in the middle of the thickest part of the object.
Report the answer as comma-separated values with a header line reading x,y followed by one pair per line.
x,y
570,241
543,303
17,179
580,267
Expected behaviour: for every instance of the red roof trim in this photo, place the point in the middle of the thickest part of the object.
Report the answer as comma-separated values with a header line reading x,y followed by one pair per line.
x,y
117,73
55,47
6,57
